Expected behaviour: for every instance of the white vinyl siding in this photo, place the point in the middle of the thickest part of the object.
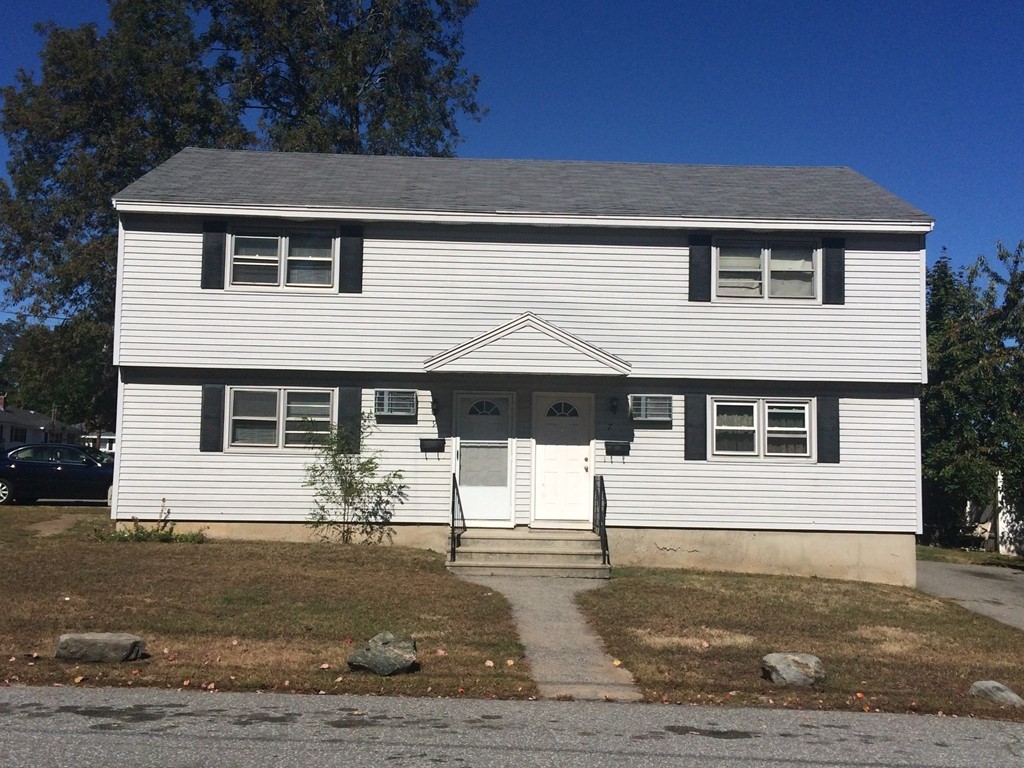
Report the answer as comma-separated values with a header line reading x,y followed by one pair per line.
x,y
424,294
873,488
158,458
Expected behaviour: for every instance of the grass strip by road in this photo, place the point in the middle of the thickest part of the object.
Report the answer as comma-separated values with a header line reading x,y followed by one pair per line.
x,y
968,557
240,615
692,637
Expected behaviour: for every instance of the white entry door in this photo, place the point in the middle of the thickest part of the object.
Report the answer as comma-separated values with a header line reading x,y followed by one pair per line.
x,y
563,426
484,458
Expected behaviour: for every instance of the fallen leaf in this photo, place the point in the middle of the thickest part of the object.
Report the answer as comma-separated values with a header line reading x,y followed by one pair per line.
x,y
705,644
510,662
166,651
79,679
616,663
135,672
13,658
234,642
287,683
337,679
321,692
488,663
860,695
186,681
325,665
441,652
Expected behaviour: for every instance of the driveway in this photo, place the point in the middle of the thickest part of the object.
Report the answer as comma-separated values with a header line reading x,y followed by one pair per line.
x,y
992,591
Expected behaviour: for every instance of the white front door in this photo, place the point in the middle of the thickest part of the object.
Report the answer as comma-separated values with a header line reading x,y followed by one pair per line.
x,y
484,458
563,425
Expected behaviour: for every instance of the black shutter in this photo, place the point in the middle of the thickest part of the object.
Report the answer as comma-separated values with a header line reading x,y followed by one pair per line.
x,y
833,281
211,420
700,266
214,242
695,447
828,430
350,279
350,413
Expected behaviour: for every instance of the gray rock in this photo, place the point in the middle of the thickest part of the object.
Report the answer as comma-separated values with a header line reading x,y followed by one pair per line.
x,y
110,647
386,654
792,669
996,692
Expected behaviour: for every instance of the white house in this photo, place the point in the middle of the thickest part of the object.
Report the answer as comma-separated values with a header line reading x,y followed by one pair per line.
x,y
736,352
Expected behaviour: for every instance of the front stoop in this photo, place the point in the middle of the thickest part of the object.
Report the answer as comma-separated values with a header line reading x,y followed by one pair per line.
x,y
524,551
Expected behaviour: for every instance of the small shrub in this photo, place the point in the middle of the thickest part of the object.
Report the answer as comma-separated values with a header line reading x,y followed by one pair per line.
x,y
162,531
353,499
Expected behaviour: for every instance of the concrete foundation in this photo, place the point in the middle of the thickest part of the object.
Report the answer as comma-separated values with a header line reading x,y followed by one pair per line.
x,y
433,537
885,558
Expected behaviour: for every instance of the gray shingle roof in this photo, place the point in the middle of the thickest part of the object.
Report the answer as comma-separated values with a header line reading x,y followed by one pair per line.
x,y
236,177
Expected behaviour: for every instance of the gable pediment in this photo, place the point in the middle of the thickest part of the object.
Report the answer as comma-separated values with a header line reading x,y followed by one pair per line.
x,y
528,344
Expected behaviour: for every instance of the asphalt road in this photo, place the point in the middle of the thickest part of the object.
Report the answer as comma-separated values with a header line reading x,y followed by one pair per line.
x,y
994,592
79,728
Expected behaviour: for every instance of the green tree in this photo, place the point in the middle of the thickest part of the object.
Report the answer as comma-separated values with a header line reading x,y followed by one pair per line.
x,y
356,76
973,422
352,498
104,109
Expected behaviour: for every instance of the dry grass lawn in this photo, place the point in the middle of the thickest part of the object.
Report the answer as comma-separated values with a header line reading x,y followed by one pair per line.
x,y
699,637
244,615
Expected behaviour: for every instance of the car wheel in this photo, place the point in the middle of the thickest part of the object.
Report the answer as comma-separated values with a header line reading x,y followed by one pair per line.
x,y
6,492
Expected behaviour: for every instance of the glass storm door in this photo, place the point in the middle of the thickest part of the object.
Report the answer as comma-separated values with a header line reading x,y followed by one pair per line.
x,y
563,426
485,459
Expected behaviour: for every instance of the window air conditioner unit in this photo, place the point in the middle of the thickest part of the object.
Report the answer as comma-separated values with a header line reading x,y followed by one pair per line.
x,y
394,402
650,407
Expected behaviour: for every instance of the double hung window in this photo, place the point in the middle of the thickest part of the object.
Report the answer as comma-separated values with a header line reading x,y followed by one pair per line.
x,y
766,270
761,427
275,418
290,258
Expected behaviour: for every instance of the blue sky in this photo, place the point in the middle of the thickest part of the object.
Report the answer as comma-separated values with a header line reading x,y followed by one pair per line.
x,y
926,98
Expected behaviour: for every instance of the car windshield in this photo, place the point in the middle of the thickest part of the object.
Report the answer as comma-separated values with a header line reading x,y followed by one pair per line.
x,y
100,456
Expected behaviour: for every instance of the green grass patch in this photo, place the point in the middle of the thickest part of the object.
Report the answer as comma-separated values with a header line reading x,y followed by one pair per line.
x,y
691,637
968,557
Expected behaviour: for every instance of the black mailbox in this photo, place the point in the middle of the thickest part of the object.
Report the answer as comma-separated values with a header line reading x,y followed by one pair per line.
x,y
617,448
431,445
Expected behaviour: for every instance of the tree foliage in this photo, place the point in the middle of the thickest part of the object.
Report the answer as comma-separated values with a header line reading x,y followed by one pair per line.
x,y
378,77
352,498
104,109
973,422
371,76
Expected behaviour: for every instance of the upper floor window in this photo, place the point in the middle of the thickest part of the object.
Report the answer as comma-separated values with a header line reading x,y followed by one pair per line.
x,y
767,270
273,418
291,258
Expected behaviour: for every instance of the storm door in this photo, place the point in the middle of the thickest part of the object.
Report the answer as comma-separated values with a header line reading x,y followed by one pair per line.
x,y
485,458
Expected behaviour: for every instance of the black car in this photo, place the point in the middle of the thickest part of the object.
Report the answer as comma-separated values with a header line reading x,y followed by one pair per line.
x,y
55,471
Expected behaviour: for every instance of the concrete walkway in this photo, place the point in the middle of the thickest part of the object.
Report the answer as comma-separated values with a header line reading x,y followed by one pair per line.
x,y
994,592
567,658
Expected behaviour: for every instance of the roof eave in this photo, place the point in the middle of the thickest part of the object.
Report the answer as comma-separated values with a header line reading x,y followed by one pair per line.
x,y
526,218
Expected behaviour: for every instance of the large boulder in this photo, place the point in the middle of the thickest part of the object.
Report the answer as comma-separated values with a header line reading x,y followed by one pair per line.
x,y
110,647
386,654
801,669
996,692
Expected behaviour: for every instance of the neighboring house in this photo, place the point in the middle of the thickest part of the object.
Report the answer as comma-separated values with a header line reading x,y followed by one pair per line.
x,y
736,351
101,441
19,426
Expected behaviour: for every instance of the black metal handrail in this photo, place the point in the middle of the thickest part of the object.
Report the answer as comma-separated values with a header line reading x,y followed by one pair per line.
x,y
600,514
458,518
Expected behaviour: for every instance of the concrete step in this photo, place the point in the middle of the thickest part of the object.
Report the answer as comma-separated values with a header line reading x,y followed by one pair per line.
x,y
529,545
479,554
530,568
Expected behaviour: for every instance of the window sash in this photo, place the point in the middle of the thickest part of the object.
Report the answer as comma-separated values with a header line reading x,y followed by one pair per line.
x,y
767,270
279,417
761,428
307,259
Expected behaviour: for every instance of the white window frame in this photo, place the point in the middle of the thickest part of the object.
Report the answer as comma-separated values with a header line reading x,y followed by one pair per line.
x,y
283,236
761,405
766,247
280,419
